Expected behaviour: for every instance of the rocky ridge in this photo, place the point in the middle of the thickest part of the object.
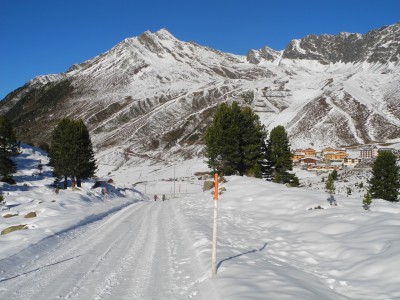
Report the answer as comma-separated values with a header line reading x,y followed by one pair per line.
x,y
151,97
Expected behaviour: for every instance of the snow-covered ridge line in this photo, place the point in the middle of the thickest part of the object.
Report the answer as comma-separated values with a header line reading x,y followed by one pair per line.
x,y
179,84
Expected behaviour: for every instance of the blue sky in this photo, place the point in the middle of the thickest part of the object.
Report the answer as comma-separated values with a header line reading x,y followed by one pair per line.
x,y
47,36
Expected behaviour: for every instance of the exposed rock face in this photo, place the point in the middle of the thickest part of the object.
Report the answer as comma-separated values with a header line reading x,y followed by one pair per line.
x,y
265,53
152,96
377,46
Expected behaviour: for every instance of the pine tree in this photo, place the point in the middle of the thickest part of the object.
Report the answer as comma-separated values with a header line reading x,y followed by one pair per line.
x,y
7,168
233,141
334,175
59,151
385,180
85,162
8,141
278,156
71,153
8,147
330,188
329,185
222,144
251,137
367,200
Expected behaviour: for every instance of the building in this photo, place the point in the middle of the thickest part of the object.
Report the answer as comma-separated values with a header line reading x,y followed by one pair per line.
x,y
323,168
298,155
310,152
309,161
351,162
368,152
339,155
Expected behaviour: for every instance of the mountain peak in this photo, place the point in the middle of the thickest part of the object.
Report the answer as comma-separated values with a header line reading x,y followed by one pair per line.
x,y
164,34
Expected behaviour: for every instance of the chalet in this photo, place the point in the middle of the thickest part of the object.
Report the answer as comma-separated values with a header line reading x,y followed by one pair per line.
x,y
310,152
351,162
339,155
297,155
307,161
328,150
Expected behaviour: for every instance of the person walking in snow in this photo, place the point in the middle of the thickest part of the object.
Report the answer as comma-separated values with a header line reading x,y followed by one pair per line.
x,y
163,197
155,197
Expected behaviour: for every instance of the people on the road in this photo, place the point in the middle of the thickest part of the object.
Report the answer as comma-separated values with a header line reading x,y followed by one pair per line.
x,y
155,197
163,197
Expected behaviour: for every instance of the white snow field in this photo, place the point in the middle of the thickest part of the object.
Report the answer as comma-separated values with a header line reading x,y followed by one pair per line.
x,y
272,242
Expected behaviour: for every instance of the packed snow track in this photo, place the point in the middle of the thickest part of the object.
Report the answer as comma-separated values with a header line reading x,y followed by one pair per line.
x,y
140,252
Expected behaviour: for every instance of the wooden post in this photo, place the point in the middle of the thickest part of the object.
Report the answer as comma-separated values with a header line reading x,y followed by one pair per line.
x,y
214,240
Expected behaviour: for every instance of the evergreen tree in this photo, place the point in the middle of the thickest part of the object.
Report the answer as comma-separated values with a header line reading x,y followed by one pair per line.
x,y
71,153
329,185
8,147
59,150
251,137
84,160
233,140
8,141
385,180
278,155
334,175
7,168
367,200
265,164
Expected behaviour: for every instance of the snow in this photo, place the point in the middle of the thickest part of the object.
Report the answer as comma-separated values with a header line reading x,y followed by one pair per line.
x,y
272,241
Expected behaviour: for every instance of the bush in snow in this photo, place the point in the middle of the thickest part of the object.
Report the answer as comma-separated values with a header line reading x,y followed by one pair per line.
x,y
367,201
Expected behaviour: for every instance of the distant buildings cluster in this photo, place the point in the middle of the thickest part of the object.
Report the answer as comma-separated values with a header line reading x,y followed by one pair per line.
x,y
329,159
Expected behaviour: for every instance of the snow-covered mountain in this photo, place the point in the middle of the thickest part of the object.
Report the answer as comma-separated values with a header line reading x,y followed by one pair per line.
x,y
152,96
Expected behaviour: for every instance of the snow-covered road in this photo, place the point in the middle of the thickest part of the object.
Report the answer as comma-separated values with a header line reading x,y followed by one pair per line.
x,y
140,252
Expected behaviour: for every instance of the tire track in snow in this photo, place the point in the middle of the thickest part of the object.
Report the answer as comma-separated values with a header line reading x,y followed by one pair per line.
x,y
139,252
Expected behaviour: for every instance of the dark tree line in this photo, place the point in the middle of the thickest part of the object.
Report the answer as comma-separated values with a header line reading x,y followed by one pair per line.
x,y
71,152
236,143
9,147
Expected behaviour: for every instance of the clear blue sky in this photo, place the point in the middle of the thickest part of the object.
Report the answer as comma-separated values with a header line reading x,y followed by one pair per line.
x,y
41,37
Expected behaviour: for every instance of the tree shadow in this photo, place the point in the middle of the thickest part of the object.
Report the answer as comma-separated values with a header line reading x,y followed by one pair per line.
x,y
38,269
241,254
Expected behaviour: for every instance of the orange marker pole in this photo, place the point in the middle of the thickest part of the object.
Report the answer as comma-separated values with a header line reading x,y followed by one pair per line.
x,y
214,240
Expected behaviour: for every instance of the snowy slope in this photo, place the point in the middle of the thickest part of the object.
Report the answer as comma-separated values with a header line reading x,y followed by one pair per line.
x,y
272,241
151,97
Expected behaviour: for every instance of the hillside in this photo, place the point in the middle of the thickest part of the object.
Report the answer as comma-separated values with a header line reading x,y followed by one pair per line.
x,y
151,97
272,241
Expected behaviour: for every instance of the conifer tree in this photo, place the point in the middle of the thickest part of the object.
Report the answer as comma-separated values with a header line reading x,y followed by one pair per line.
x,y
8,141
385,180
7,168
329,185
367,200
278,155
85,162
233,140
334,175
71,153
8,147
